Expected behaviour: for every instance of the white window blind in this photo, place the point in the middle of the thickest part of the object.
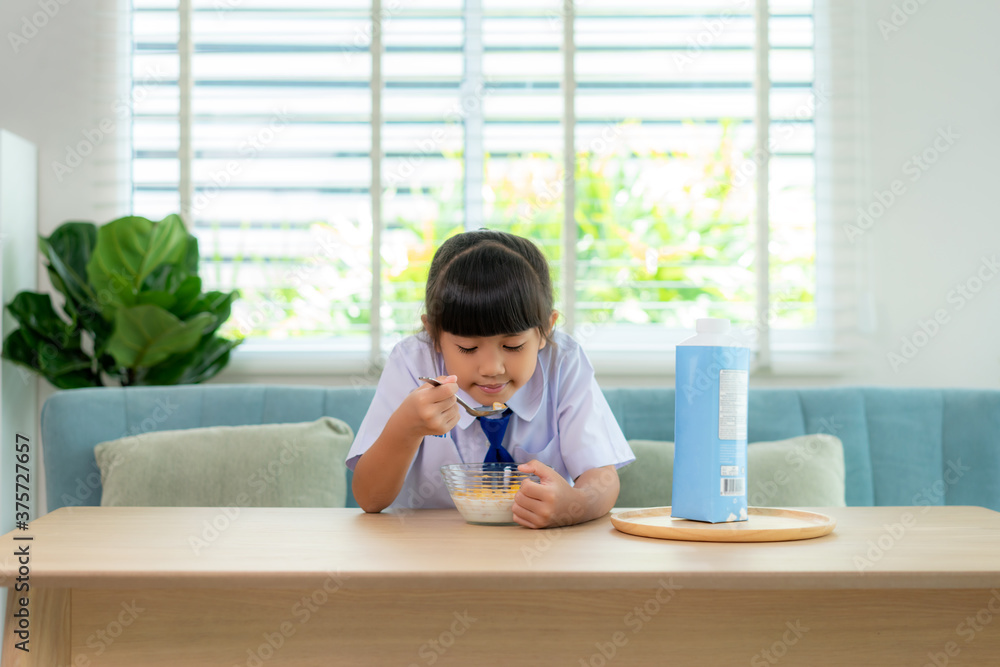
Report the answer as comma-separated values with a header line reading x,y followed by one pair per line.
x,y
316,156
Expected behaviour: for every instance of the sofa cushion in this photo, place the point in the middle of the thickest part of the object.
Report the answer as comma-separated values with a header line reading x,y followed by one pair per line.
x,y
951,458
805,471
260,465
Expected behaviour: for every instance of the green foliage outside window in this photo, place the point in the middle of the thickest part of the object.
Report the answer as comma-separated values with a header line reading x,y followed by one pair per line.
x,y
657,233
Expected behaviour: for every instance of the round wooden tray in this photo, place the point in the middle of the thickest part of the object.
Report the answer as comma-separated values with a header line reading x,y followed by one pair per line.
x,y
763,524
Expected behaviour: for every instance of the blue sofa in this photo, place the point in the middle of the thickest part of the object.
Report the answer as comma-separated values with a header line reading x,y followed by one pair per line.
x,y
901,446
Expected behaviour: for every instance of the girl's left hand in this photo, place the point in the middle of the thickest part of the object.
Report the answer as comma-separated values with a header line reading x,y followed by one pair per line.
x,y
552,502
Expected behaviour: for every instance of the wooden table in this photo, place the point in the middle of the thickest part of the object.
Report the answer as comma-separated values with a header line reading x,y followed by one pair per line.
x,y
254,587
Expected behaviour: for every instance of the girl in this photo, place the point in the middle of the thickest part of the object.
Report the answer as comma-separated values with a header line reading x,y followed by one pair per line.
x,y
488,336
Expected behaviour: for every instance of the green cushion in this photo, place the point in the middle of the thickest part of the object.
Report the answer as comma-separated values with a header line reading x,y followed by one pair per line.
x,y
266,465
805,471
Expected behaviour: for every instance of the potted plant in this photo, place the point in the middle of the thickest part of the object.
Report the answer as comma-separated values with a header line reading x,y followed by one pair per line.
x,y
133,313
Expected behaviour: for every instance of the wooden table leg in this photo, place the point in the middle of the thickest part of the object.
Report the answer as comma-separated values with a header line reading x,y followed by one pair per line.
x,y
48,631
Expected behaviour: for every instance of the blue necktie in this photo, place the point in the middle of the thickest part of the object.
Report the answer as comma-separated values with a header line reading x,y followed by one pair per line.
x,y
494,430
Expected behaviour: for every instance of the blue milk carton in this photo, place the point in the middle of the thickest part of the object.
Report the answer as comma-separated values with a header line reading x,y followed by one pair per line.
x,y
710,429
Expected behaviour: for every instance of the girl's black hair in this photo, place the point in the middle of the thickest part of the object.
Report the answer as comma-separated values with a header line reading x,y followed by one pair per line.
x,y
488,283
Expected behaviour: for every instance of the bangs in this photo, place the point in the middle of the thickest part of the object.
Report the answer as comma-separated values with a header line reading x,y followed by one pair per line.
x,y
490,291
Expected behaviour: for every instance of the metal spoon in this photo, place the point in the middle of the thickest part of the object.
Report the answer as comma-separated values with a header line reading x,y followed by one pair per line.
x,y
482,411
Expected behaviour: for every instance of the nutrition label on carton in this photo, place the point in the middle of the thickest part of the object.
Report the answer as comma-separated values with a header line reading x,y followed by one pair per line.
x,y
733,386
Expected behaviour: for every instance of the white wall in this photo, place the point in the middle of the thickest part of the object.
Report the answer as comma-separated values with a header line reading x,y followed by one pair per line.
x,y
59,81
938,70
58,86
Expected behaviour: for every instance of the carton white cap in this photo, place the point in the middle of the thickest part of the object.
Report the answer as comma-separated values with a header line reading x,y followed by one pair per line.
x,y
709,325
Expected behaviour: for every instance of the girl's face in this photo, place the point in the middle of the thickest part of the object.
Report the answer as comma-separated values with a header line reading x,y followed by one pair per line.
x,y
491,368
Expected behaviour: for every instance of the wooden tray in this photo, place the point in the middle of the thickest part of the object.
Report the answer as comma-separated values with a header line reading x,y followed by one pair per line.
x,y
763,524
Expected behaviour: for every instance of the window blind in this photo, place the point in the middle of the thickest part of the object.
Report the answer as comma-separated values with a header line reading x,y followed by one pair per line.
x,y
641,115
280,156
844,309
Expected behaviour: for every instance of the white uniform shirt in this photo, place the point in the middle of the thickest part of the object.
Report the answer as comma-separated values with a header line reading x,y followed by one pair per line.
x,y
560,417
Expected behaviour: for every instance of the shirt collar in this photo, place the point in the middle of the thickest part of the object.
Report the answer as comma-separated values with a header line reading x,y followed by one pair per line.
x,y
525,402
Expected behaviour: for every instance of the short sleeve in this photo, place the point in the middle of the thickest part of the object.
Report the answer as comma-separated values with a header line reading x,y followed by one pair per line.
x,y
398,379
589,434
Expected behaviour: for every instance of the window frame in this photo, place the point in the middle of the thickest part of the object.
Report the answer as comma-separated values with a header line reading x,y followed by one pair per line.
x,y
293,358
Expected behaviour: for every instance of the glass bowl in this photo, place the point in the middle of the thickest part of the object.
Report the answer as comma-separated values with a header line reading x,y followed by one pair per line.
x,y
484,492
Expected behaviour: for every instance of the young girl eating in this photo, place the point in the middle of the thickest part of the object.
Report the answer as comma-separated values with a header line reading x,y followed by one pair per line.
x,y
488,338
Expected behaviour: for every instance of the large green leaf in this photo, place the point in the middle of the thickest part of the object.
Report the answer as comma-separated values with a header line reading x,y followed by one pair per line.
x,y
219,304
169,244
188,294
35,312
164,299
170,276
45,342
69,304
55,361
163,278
203,362
190,262
100,331
65,369
76,380
84,316
146,335
128,250
68,251
18,349
172,279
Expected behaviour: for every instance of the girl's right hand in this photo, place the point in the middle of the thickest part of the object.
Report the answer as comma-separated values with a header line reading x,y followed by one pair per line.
x,y
430,410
